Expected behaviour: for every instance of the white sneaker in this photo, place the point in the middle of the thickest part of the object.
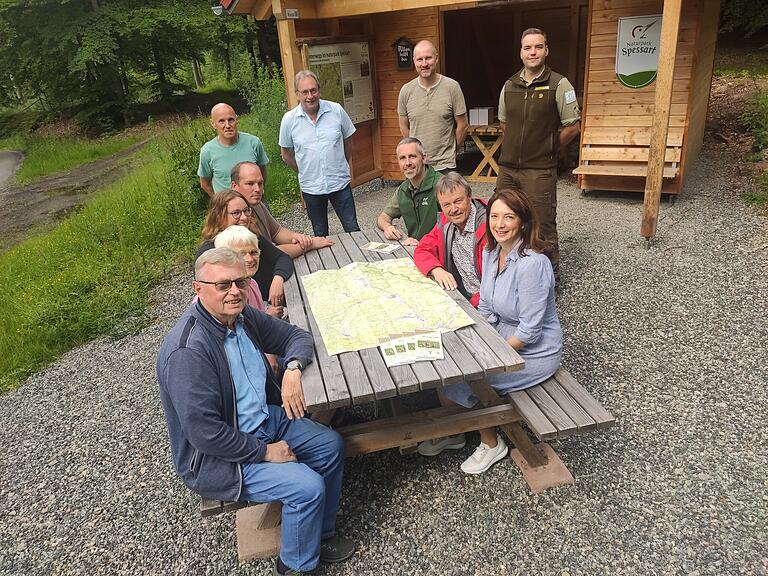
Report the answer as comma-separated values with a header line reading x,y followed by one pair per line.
x,y
434,447
484,457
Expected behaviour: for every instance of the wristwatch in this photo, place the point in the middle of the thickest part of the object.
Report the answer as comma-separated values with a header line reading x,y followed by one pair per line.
x,y
294,364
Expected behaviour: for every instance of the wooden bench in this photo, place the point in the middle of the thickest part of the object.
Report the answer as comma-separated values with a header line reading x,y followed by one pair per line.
x,y
615,158
554,409
624,161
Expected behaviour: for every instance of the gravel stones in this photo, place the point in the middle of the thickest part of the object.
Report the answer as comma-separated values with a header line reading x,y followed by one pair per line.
x,y
670,336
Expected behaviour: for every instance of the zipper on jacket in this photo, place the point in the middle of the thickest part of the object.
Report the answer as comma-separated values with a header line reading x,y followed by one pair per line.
x,y
522,128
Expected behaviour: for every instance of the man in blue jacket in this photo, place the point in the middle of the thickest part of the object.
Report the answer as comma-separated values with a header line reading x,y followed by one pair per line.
x,y
230,437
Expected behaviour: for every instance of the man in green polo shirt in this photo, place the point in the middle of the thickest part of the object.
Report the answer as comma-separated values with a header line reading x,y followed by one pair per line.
x,y
414,201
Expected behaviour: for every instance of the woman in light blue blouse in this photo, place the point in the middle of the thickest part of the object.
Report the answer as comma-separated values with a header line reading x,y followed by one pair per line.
x,y
517,296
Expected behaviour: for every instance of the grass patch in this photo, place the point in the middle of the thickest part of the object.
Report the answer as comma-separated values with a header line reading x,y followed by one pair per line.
x,y
84,277
216,86
266,96
47,155
759,197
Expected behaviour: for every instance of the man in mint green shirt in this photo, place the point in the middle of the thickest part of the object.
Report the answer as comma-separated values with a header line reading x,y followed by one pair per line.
x,y
414,200
219,155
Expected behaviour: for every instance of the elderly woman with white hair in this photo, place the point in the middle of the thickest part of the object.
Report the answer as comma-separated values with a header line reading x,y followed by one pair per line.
x,y
246,243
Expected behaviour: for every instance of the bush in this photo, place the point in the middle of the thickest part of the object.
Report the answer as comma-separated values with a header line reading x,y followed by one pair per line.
x,y
755,118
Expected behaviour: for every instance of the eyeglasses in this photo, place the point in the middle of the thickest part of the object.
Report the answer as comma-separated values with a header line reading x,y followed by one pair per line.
x,y
237,213
224,285
309,92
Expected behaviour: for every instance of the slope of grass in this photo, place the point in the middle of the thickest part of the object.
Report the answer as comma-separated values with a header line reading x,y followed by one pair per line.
x,y
84,277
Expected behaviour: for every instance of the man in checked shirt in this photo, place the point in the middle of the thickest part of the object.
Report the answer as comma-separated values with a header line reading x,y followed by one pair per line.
x,y
452,252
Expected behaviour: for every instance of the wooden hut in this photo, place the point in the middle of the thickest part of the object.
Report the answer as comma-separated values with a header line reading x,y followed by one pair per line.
x,y
641,139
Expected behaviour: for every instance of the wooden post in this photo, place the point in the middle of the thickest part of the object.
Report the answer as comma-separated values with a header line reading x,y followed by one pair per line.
x,y
670,26
290,53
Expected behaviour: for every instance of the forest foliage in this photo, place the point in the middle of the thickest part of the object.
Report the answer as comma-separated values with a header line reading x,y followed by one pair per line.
x,y
97,60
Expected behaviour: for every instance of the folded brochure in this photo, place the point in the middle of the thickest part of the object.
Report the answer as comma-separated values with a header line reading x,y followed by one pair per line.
x,y
408,349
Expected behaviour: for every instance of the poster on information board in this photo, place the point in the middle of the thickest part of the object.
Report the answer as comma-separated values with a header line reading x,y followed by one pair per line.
x,y
345,77
637,50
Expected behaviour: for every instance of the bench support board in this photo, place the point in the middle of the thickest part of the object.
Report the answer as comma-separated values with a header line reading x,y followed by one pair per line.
x,y
550,475
258,531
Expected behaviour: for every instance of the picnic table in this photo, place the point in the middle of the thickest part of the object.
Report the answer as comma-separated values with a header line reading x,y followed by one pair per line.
x,y
354,378
554,409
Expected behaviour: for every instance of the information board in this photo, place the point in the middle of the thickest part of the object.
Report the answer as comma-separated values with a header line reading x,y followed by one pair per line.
x,y
345,77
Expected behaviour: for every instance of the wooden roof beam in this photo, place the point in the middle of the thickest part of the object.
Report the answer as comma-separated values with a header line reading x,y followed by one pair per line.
x,y
670,26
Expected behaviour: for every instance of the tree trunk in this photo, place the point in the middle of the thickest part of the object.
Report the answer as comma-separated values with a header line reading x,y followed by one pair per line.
x,y
162,82
227,63
261,37
248,38
197,73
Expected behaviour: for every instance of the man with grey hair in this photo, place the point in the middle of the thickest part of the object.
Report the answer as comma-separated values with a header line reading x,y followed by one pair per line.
x,y
315,142
230,438
414,201
431,107
452,253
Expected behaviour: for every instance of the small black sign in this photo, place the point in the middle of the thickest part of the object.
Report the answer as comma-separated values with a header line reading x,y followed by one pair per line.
x,y
404,53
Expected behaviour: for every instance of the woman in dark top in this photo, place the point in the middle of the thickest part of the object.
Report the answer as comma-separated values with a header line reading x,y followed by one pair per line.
x,y
229,208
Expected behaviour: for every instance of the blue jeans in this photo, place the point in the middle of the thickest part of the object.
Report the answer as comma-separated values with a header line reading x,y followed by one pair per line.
x,y
309,489
343,203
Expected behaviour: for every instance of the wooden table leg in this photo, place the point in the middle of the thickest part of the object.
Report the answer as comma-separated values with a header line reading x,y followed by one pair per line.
x,y
396,408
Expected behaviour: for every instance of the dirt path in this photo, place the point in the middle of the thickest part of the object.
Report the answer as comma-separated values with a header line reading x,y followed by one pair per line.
x,y
10,160
26,208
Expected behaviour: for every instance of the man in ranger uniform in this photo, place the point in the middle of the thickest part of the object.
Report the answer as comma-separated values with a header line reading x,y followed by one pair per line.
x,y
414,201
535,103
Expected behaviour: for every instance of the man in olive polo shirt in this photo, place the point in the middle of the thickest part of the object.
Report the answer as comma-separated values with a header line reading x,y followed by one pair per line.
x,y
536,103
414,201
431,107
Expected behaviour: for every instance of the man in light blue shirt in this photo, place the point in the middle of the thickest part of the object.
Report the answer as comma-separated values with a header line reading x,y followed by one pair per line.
x,y
314,141
230,146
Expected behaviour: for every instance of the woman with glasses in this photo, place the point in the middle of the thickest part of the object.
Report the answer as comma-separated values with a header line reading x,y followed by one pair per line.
x,y
228,208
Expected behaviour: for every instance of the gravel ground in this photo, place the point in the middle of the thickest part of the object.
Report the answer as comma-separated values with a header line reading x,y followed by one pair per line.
x,y
671,338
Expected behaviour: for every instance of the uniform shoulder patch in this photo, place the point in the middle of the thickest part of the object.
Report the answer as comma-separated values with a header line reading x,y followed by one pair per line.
x,y
570,97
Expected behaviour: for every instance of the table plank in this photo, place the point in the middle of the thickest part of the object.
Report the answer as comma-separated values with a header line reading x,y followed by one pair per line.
x,y
330,367
508,355
359,386
311,378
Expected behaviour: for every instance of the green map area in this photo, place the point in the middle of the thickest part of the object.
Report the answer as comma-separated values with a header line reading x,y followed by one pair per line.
x,y
362,305
330,82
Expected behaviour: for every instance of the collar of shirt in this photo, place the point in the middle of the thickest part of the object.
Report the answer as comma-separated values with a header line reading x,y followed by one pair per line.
x,y
513,255
522,77
429,89
324,107
469,227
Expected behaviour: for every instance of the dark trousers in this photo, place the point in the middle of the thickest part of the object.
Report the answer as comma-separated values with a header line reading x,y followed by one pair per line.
x,y
343,204
540,185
